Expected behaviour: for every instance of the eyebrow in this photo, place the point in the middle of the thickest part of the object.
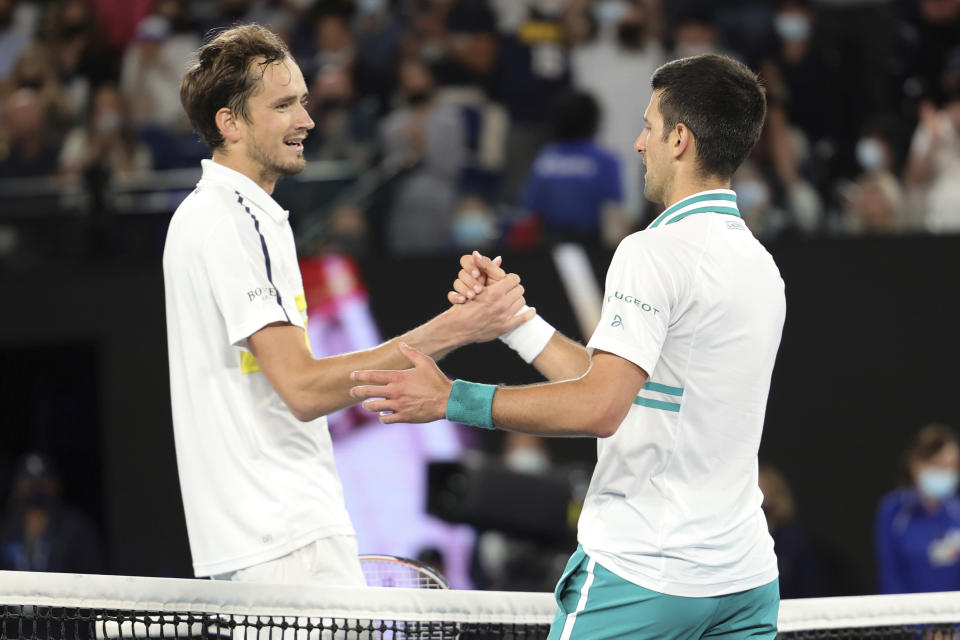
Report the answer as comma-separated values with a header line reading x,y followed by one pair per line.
x,y
288,98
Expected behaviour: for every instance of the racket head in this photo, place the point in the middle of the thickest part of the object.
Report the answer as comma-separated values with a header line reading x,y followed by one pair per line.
x,y
395,571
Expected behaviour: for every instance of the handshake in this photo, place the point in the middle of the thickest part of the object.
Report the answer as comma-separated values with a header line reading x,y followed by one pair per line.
x,y
486,303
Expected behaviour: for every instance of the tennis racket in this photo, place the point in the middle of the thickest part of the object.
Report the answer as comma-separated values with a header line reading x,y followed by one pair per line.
x,y
393,571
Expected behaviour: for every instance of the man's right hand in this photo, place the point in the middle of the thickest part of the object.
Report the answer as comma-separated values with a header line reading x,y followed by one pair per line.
x,y
476,272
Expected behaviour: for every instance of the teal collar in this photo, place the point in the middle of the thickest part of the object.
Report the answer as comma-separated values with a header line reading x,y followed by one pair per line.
x,y
716,201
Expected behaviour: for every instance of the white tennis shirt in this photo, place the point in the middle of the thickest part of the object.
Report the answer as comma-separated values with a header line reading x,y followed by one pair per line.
x,y
256,482
674,504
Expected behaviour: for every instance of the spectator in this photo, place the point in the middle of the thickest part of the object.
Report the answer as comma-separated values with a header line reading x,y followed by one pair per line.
x,y
80,56
12,42
763,217
876,205
427,139
917,531
797,559
34,69
345,125
622,43
575,187
153,65
474,225
107,140
797,74
39,533
929,31
933,166
533,68
31,151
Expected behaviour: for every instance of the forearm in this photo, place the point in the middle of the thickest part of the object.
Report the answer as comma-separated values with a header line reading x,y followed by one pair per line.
x,y
562,359
568,408
324,386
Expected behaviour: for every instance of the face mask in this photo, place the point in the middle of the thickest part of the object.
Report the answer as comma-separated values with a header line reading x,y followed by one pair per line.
x,y
870,154
39,499
937,484
608,12
630,36
472,230
108,122
791,27
369,6
527,461
416,98
752,194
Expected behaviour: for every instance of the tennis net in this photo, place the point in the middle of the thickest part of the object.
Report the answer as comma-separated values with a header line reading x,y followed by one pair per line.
x,y
85,607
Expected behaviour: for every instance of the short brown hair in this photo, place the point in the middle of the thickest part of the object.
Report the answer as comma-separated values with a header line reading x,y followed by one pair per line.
x,y
928,442
226,73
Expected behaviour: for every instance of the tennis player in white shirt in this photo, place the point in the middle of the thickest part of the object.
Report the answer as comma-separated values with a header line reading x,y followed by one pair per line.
x,y
261,494
673,542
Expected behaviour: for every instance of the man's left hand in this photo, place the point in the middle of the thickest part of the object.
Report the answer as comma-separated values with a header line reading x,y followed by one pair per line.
x,y
419,394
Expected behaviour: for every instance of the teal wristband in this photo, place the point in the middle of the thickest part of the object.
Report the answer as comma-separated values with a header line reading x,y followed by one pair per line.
x,y
471,403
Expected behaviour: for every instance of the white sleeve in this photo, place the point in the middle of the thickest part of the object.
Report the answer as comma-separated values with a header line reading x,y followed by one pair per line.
x,y
640,296
240,268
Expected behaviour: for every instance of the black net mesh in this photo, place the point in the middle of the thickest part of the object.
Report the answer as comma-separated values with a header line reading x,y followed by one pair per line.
x,y
82,623
895,632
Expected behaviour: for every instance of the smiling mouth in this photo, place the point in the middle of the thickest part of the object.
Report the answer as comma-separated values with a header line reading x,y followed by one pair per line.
x,y
297,145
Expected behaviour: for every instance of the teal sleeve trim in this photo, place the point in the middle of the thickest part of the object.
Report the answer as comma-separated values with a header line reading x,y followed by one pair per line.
x,y
657,404
662,388
471,403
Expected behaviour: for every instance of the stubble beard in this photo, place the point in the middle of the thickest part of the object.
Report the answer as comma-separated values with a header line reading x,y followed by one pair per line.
x,y
271,168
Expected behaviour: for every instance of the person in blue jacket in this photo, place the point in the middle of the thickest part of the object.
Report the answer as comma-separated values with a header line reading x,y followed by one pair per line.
x,y
918,526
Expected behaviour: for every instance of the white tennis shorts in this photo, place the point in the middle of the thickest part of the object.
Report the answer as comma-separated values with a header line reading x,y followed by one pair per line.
x,y
328,561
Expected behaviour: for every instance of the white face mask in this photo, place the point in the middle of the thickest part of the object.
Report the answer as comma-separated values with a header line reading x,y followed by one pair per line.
x,y
937,484
792,27
870,154
533,461
108,121
752,194
608,12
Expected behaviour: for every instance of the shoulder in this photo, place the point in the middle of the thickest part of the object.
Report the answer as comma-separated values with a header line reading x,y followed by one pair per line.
x,y
896,502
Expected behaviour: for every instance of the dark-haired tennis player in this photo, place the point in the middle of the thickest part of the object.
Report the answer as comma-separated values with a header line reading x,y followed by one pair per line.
x,y
260,489
673,543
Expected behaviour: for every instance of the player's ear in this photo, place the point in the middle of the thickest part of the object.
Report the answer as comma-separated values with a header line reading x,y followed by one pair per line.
x,y
682,139
227,123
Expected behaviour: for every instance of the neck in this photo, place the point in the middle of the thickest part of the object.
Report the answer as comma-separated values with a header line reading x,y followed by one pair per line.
x,y
240,163
684,188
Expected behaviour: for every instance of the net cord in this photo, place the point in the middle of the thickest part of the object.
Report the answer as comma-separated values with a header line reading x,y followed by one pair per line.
x,y
236,598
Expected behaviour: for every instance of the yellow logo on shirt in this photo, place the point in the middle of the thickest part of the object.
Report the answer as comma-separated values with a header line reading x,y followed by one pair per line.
x,y
248,362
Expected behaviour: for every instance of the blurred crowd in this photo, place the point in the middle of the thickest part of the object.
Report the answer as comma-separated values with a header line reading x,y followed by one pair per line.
x,y
510,123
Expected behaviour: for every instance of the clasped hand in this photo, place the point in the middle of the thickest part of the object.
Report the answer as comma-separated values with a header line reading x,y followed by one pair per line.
x,y
486,303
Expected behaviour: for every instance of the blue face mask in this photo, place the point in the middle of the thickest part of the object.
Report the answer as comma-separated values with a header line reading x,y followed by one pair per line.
x,y
473,230
870,154
937,484
792,27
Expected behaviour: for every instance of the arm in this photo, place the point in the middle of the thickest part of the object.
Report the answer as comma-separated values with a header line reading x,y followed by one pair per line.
x,y
561,359
592,405
312,388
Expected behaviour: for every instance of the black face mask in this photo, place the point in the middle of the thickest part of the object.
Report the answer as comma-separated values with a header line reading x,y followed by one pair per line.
x,y
39,499
71,31
417,98
332,104
31,83
631,36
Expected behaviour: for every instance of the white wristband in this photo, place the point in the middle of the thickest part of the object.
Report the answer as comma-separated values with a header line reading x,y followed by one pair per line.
x,y
530,338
